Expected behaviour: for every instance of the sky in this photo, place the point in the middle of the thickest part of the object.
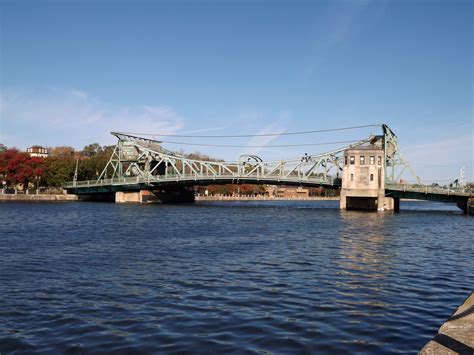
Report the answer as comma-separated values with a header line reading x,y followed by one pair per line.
x,y
73,71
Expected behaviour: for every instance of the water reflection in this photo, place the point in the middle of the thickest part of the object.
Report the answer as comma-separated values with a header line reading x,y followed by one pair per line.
x,y
365,244
363,265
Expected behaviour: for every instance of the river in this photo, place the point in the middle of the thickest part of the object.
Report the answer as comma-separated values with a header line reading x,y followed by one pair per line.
x,y
251,277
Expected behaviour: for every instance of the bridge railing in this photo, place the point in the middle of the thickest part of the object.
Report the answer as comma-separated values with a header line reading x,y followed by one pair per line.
x,y
429,189
231,178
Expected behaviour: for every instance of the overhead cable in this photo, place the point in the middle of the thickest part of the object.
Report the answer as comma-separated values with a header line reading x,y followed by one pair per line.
x,y
260,146
254,135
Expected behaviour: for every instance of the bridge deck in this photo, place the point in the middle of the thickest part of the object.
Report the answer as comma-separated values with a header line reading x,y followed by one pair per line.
x,y
156,182
153,182
429,193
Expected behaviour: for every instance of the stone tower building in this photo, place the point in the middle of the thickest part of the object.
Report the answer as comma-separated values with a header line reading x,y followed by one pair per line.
x,y
363,180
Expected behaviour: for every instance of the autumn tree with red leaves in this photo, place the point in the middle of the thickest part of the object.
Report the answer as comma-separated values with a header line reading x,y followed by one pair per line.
x,y
19,168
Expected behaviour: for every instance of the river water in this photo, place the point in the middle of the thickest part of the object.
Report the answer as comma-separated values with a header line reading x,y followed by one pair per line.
x,y
243,277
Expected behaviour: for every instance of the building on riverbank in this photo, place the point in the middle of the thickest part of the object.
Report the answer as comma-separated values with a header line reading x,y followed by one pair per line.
x,y
292,192
38,151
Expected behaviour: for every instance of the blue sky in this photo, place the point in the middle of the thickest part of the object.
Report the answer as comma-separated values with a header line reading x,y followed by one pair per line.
x,y
72,71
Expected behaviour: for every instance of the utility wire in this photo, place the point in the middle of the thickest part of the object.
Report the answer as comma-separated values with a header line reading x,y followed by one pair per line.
x,y
260,146
253,135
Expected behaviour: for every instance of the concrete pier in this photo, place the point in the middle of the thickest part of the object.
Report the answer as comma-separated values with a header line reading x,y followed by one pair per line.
x,y
363,181
128,197
171,196
134,196
456,335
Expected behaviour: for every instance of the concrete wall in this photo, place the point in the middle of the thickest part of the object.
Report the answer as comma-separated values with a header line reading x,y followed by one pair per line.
x,y
45,197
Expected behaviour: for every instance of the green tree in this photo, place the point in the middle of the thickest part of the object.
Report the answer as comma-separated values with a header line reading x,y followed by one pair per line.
x,y
92,166
59,170
92,150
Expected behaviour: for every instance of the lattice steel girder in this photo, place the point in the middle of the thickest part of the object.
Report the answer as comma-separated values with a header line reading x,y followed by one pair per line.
x,y
145,158
395,162
134,156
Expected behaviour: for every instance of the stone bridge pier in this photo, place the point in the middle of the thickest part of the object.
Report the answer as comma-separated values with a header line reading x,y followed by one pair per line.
x,y
177,195
363,181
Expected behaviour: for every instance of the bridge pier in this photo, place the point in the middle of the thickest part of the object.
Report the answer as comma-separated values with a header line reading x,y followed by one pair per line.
x,y
182,195
363,181
466,205
368,203
134,196
128,197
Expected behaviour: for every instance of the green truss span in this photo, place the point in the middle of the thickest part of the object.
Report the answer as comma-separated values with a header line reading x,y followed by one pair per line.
x,y
139,163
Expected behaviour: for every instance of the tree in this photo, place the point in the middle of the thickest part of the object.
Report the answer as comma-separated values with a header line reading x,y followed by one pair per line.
x,y
60,166
63,152
92,166
92,149
59,170
19,168
199,156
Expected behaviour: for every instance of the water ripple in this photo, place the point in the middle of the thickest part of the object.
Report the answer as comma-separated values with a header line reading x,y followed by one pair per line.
x,y
246,277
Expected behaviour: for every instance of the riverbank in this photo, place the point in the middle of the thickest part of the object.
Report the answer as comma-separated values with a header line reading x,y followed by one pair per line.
x,y
456,335
39,197
70,197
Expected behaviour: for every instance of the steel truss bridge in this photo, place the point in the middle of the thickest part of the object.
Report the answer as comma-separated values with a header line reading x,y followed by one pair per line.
x,y
139,163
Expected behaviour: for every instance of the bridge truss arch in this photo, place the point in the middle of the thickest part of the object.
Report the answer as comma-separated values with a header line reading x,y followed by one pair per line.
x,y
142,159
145,163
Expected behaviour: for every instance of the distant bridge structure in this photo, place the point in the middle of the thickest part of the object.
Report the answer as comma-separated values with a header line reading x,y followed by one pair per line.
x,y
367,172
